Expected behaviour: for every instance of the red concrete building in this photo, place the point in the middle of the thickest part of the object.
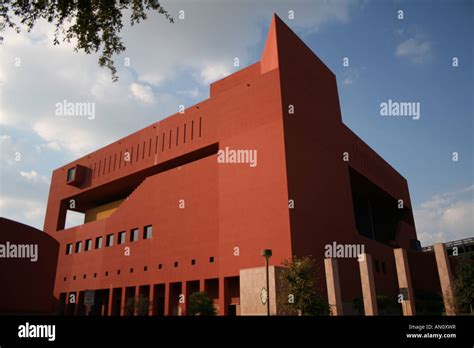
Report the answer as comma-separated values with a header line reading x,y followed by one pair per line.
x,y
164,216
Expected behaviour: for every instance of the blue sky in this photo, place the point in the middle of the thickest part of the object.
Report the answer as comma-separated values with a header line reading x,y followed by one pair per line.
x,y
406,60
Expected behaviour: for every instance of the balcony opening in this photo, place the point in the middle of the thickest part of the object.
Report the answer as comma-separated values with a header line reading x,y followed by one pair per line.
x,y
74,218
377,215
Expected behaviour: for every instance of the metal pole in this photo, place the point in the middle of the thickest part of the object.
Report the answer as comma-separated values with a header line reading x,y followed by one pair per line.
x,y
268,288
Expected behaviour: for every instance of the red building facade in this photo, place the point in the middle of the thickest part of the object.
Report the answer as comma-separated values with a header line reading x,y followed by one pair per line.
x,y
165,217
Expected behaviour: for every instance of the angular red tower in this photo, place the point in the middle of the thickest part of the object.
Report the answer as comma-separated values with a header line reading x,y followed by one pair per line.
x,y
168,214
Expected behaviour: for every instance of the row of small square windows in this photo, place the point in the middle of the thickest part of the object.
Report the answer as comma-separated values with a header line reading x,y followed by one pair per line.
x,y
147,234
160,266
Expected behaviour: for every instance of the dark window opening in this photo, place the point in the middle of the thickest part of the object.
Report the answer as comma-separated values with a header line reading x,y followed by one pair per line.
x,y
88,245
121,238
110,240
134,235
193,262
160,266
147,232
98,242
377,267
211,259
376,213
176,263
71,173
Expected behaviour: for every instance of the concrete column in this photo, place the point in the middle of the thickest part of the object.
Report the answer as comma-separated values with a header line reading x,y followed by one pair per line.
x,y
78,302
167,299
111,296
123,300
202,285
136,293
445,277
184,297
404,280
333,286
222,296
152,296
368,284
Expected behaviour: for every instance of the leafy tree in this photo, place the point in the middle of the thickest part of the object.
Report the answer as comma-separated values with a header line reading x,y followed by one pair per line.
x,y
464,286
298,293
386,305
94,24
201,304
428,302
139,305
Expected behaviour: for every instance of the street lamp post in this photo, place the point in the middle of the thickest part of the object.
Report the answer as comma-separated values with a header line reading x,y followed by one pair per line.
x,y
267,253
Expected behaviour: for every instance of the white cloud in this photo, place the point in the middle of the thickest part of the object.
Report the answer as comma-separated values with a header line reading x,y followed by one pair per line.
x,y
53,145
27,211
142,92
415,49
213,73
151,78
34,177
446,217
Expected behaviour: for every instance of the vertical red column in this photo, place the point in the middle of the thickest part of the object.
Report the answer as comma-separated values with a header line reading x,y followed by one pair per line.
x,y
123,299
222,296
151,310
167,298
110,305
183,298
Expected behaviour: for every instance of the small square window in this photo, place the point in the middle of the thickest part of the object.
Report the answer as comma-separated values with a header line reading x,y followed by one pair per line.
x,y
110,240
71,174
95,275
131,270
84,276
88,245
65,278
74,278
176,263
193,262
147,232
69,249
106,274
118,271
145,268
160,266
134,235
78,247
98,242
121,237
211,259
